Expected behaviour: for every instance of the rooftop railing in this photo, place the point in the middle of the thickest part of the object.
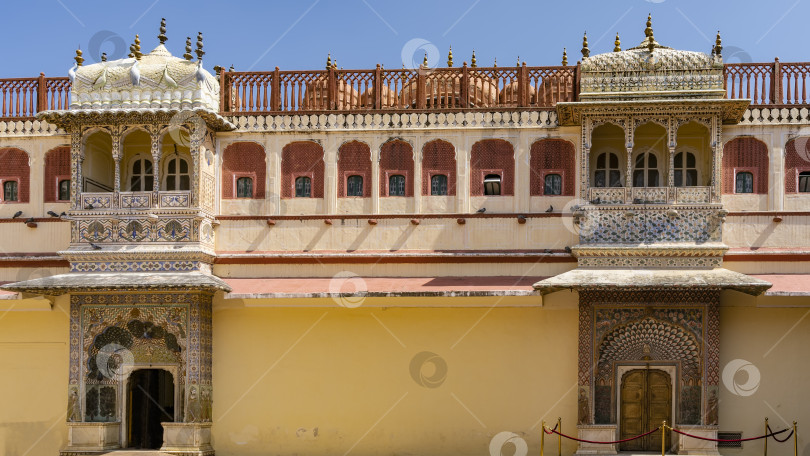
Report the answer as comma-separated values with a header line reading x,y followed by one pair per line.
x,y
772,84
23,98
464,88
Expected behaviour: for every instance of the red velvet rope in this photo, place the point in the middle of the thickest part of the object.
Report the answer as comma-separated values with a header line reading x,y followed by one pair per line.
x,y
551,431
785,439
772,434
606,443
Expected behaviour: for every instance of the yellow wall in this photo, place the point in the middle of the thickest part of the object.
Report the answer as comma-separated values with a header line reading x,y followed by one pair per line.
x,y
282,373
775,341
33,378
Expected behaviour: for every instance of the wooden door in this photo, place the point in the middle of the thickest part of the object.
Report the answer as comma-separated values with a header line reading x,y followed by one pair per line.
x,y
645,401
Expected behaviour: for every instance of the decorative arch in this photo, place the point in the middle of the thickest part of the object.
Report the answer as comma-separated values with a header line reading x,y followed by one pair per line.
x,y
302,159
14,167
745,154
243,159
492,156
57,170
797,161
354,159
439,158
551,156
396,158
653,339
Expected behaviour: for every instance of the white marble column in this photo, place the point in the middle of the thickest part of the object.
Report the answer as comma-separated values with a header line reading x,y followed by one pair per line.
x,y
76,162
272,154
330,156
776,179
154,136
417,174
522,193
375,176
463,175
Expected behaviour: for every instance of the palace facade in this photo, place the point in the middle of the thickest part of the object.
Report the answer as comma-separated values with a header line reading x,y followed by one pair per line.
x,y
409,261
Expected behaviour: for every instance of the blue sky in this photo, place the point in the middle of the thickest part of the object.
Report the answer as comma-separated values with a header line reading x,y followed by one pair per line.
x,y
42,35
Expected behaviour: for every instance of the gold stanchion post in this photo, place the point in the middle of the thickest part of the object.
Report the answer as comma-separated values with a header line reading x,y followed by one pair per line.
x,y
559,436
663,437
766,438
542,438
795,440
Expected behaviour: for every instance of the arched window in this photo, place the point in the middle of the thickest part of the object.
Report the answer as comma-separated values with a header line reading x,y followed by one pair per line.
x,y
177,176
303,187
804,182
744,182
141,177
354,186
552,184
492,184
685,171
396,185
438,185
64,190
10,191
645,173
244,187
607,171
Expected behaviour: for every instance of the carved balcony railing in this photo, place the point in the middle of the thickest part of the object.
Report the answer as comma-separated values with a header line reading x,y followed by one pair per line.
x,y
135,200
768,84
433,89
773,84
23,98
650,195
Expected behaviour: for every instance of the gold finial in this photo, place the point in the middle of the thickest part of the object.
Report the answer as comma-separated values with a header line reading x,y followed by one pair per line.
x,y
617,44
103,56
187,55
79,59
328,61
231,69
495,65
217,69
138,53
585,51
718,44
450,58
518,61
131,51
334,64
162,37
648,32
565,58
424,61
473,61
200,53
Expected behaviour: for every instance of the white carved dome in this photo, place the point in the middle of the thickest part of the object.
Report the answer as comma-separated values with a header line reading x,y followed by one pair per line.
x,y
641,59
157,80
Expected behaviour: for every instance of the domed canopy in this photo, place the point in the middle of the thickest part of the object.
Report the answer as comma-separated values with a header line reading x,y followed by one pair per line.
x,y
317,95
651,71
155,85
156,80
443,90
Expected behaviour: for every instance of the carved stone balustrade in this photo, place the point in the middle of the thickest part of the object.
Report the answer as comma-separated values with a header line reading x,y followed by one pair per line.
x,y
650,195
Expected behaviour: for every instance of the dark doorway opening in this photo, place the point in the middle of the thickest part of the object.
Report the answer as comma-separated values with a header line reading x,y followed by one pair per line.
x,y
150,401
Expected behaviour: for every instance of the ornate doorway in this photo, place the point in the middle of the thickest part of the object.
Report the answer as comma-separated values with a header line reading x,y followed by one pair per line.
x,y
150,401
645,401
